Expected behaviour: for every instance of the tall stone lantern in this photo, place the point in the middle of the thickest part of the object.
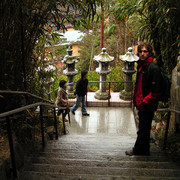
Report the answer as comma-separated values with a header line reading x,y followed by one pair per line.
x,y
129,58
70,71
103,59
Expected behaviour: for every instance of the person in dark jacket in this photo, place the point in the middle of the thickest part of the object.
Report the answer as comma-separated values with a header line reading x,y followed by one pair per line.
x,y
62,99
80,92
146,94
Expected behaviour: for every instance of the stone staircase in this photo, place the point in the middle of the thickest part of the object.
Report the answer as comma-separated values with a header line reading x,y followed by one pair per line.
x,y
97,156
92,157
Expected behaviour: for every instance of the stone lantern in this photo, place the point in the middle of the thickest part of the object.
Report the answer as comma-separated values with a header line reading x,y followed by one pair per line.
x,y
70,71
49,70
129,58
103,59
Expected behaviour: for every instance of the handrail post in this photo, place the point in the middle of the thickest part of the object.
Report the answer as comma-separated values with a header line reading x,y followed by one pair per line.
x,y
63,123
109,94
55,123
13,161
69,118
132,86
166,132
42,128
86,100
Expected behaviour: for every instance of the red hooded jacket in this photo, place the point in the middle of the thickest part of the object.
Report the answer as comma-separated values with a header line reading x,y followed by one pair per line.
x,y
147,89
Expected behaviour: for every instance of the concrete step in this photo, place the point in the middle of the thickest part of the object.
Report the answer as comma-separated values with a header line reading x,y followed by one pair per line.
x,y
94,157
103,171
60,176
102,163
119,156
95,149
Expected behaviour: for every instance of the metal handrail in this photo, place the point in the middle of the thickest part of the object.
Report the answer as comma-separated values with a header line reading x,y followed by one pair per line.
x,y
25,93
109,87
18,110
169,109
108,82
72,83
9,113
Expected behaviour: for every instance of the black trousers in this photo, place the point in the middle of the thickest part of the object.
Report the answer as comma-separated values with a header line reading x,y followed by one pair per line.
x,y
63,111
142,144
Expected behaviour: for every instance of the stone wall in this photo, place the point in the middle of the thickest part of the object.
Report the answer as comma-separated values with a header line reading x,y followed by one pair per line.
x,y
175,98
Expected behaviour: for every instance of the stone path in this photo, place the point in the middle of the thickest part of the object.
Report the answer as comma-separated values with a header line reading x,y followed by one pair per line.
x,y
94,149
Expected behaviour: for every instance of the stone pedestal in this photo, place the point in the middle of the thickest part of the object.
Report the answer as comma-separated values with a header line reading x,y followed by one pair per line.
x,y
103,59
126,93
70,71
129,58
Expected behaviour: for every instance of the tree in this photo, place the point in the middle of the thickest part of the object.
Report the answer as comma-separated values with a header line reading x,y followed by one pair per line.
x,y
165,31
90,46
22,24
124,23
155,21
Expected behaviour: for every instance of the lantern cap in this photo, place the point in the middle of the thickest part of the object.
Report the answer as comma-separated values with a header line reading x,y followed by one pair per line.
x,y
69,58
129,56
103,57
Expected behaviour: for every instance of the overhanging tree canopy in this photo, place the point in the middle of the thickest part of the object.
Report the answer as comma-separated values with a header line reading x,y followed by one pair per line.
x,y
22,23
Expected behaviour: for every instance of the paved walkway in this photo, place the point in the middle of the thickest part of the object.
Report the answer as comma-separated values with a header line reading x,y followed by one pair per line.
x,y
105,121
115,101
94,149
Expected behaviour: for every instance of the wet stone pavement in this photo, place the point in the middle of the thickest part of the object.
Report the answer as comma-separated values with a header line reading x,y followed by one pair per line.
x,y
94,149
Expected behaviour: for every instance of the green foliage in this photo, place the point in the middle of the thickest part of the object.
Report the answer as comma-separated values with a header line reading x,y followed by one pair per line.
x,y
162,28
123,25
22,25
93,76
90,46
155,21
116,75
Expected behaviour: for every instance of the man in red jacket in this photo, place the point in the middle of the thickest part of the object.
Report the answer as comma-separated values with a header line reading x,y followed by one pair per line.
x,y
146,94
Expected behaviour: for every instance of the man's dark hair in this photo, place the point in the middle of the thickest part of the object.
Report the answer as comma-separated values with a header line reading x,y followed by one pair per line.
x,y
148,46
62,83
83,73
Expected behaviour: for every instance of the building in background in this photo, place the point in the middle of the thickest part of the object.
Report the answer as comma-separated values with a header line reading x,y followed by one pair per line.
x,y
72,38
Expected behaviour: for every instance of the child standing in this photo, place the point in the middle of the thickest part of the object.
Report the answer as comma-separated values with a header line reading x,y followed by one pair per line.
x,y
62,99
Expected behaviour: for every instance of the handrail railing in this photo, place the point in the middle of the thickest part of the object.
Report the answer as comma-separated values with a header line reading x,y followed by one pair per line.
x,y
18,110
109,87
24,93
50,103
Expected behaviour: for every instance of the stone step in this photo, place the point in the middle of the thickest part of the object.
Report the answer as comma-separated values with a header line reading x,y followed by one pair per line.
x,y
102,163
98,156
29,175
93,140
113,171
120,155
91,150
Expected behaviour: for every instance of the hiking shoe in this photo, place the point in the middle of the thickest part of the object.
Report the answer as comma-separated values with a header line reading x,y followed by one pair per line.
x,y
73,112
66,120
130,153
86,114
